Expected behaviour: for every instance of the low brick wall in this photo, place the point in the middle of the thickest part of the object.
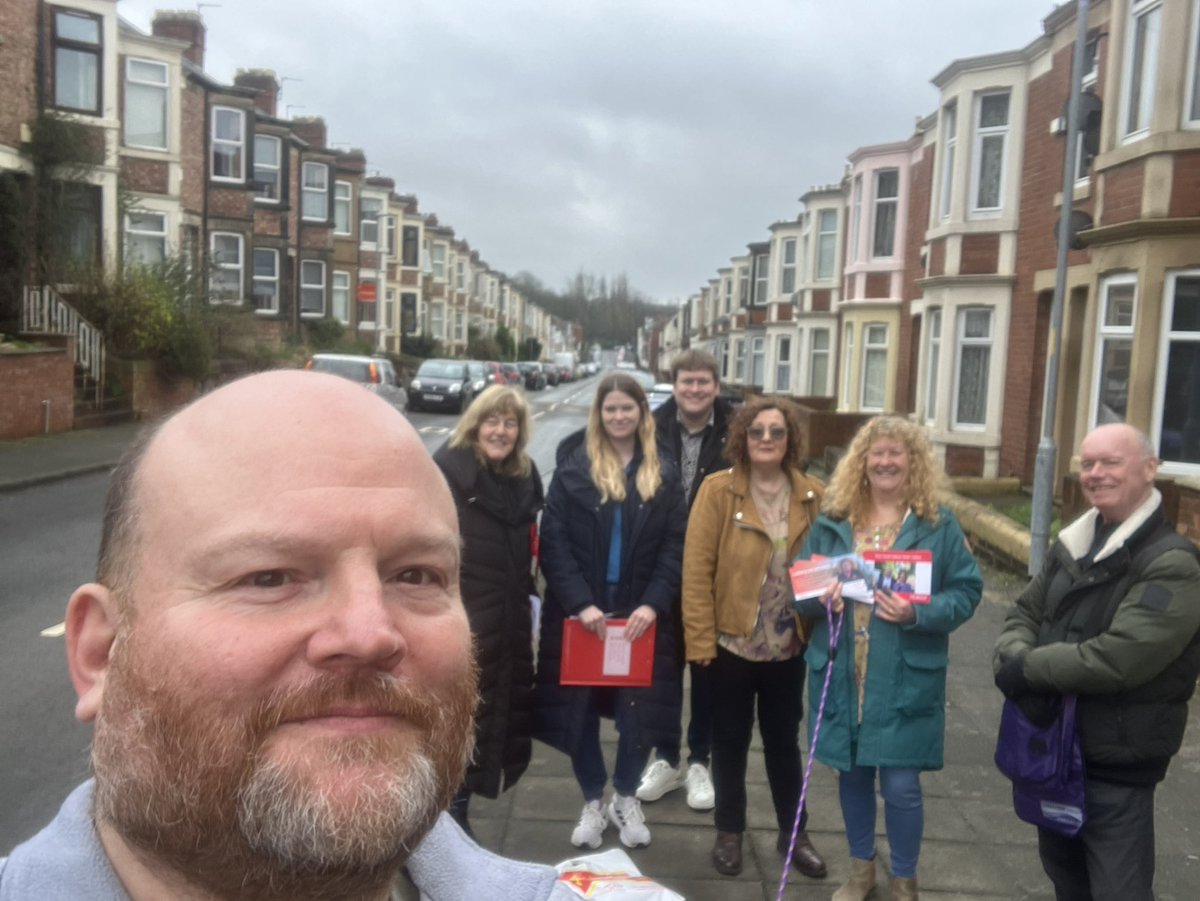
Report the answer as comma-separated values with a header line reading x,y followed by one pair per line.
x,y
29,377
150,394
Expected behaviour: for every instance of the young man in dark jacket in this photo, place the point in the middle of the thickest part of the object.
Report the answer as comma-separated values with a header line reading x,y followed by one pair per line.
x,y
1113,617
691,430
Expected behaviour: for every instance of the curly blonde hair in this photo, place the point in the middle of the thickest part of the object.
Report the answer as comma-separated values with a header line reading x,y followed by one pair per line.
x,y
608,473
849,493
496,400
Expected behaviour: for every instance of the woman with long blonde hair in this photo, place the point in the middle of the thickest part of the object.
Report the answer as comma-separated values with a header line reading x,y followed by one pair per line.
x,y
885,714
612,540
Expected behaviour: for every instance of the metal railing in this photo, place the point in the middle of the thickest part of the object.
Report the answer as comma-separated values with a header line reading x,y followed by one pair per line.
x,y
44,312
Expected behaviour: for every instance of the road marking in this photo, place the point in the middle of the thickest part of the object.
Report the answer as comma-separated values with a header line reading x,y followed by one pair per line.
x,y
55,631
537,414
434,429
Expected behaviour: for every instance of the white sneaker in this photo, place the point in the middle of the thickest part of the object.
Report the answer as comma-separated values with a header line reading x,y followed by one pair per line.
x,y
592,823
660,777
626,814
700,794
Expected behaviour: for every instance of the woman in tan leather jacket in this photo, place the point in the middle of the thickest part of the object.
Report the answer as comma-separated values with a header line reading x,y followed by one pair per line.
x,y
745,528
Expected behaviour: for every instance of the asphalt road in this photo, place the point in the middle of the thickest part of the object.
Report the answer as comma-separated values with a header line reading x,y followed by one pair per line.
x,y
49,535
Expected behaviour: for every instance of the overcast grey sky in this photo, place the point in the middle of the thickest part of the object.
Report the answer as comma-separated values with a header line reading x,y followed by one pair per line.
x,y
654,137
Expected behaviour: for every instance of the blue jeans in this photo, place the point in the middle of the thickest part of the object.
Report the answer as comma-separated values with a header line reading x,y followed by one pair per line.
x,y
903,814
587,758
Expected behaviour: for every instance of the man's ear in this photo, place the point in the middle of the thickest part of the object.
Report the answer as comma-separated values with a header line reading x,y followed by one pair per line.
x,y
91,631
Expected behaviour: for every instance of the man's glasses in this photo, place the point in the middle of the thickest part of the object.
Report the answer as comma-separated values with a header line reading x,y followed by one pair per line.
x,y
776,432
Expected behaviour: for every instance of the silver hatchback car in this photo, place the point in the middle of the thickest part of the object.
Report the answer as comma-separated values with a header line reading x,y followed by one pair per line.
x,y
376,374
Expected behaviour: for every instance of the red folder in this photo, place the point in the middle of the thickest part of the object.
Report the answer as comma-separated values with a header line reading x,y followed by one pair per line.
x,y
587,660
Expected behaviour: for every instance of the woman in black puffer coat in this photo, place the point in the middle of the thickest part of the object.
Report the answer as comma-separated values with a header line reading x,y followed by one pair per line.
x,y
612,546
498,492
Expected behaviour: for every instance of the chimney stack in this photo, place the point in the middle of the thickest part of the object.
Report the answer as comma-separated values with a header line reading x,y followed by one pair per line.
x,y
267,85
182,26
310,129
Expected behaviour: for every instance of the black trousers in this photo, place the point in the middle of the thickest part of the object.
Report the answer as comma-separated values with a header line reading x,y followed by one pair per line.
x,y
777,690
1112,858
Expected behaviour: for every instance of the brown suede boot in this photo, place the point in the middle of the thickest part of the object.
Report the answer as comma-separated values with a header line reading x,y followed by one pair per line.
x,y
861,884
904,889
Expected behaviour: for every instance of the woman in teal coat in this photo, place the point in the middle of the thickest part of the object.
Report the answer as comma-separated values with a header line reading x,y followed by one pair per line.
x,y
885,711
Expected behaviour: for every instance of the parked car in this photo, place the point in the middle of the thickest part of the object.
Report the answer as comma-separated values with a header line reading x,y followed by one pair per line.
x,y
376,374
479,376
551,372
566,374
495,373
657,396
534,378
443,385
512,375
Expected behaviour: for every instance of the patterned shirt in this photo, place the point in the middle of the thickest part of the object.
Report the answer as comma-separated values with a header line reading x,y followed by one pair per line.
x,y
689,449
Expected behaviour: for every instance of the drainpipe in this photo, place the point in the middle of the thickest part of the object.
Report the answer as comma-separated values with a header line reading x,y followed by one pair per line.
x,y
45,417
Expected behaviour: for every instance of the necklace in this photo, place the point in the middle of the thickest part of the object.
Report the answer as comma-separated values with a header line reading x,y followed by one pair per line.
x,y
772,506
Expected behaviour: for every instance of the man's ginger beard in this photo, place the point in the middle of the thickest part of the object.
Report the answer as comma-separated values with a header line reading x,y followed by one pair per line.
x,y
190,783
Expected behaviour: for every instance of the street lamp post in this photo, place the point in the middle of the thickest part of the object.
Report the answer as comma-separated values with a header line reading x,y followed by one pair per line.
x,y
1043,476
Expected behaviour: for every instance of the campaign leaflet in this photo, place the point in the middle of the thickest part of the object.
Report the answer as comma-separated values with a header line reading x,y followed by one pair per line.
x,y
811,578
907,574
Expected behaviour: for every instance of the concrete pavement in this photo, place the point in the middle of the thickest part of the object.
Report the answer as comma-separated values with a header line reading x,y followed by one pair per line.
x,y
974,847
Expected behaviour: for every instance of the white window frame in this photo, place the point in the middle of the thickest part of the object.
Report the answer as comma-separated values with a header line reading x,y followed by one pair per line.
x,y
882,203
224,265
309,285
140,232
984,135
827,245
1191,109
437,260
368,310
727,293
933,354
949,151
1140,76
314,192
783,363
1107,333
762,272
147,88
273,191
758,361
818,355
370,209
460,326
856,217
270,282
1171,337
847,360
739,360
787,267
437,321
874,361
339,296
961,343
234,145
343,204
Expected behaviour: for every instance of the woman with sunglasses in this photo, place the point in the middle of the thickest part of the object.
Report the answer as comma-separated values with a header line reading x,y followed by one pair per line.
x,y
746,525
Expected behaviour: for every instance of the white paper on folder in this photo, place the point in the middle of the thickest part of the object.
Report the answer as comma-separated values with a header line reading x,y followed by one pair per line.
x,y
617,652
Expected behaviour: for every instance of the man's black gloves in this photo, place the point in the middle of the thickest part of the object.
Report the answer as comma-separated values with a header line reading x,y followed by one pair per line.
x,y
1010,678
1040,709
